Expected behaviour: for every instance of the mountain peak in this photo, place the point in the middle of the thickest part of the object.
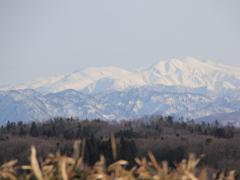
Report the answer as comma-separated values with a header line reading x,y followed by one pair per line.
x,y
189,60
171,66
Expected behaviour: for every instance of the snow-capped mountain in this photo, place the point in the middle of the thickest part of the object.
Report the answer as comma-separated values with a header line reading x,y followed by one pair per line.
x,y
185,72
178,87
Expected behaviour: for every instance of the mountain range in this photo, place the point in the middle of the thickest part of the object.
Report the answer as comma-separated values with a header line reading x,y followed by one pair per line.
x,y
189,88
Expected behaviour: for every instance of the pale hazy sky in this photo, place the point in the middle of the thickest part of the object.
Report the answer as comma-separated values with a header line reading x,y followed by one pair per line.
x,y
47,38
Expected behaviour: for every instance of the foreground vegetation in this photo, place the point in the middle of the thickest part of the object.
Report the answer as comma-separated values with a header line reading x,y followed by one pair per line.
x,y
62,167
167,139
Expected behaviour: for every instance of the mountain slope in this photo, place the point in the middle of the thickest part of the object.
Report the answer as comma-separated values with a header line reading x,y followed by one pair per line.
x,y
29,105
23,105
177,87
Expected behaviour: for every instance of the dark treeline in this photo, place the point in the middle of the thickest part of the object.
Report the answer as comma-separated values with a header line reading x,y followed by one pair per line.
x,y
146,127
168,139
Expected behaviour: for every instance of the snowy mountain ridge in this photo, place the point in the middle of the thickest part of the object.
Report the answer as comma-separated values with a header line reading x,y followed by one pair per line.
x,y
177,87
185,72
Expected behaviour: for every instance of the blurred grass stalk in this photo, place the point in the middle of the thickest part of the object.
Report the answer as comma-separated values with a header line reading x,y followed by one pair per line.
x,y
57,167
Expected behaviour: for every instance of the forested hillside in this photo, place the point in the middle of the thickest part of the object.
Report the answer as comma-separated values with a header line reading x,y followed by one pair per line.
x,y
168,139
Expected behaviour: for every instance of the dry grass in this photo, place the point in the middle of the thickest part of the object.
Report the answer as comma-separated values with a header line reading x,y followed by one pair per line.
x,y
57,167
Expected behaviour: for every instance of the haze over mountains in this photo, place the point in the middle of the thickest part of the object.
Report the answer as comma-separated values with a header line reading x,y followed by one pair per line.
x,y
178,87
